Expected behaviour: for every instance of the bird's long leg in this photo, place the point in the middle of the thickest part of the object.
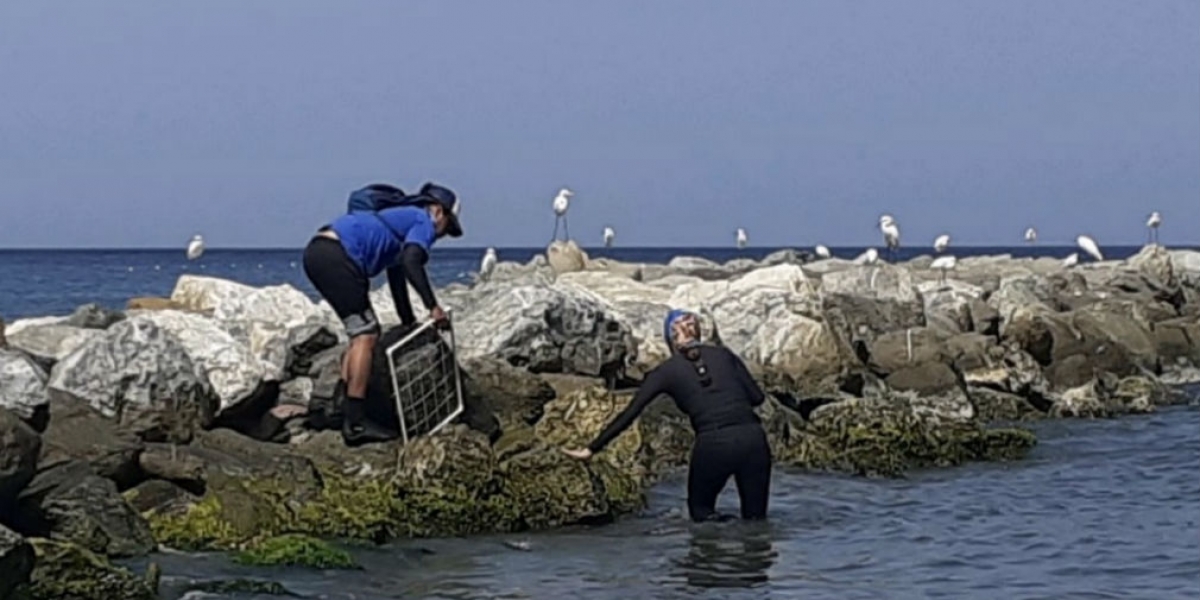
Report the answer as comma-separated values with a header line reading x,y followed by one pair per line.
x,y
566,231
554,236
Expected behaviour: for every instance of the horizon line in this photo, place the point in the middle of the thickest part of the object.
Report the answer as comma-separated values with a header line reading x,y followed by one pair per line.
x,y
808,249
542,248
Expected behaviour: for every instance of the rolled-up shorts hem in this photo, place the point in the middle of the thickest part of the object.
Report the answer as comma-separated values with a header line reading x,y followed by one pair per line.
x,y
363,323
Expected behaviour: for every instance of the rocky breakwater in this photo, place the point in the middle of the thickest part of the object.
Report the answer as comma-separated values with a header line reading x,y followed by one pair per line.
x,y
187,422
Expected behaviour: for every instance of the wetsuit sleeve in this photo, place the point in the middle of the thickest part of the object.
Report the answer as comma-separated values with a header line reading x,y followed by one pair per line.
x,y
413,262
753,393
398,284
652,386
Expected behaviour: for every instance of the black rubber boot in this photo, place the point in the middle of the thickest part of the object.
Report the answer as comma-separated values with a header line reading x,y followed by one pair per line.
x,y
357,429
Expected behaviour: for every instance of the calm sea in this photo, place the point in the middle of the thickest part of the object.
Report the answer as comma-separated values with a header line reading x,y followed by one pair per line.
x,y
54,282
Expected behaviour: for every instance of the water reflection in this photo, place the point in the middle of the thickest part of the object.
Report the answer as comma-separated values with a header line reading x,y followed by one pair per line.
x,y
728,555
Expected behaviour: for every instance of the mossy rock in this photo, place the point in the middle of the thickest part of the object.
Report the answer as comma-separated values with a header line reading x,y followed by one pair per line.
x,y
575,419
67,571
296,550
994,405
545,488
881,437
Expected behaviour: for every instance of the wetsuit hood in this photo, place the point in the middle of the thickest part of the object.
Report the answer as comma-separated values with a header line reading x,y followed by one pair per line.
x,y
679,340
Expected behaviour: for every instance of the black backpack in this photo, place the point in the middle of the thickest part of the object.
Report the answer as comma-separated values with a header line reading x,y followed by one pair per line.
x,y
378,196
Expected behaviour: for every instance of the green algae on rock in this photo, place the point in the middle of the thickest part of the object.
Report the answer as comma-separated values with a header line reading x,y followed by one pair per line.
x,y
296,550
885,437
67,571
451,483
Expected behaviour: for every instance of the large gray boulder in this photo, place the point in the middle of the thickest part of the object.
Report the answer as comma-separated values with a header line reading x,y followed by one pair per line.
x,y
19,448
94,316
142,376
79,432
16,562
234,371
865,301
772,318
50,343
543,328
67,501
565,257
948,305
228,300
638,305
22,385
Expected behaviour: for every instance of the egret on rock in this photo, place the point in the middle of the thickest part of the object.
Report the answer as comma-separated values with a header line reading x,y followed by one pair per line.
x,y
488,264
943,264
1152,224
561,203
891,234
609,235
741,238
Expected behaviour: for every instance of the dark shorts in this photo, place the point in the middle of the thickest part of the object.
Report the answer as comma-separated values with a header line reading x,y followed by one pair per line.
x,y
342,283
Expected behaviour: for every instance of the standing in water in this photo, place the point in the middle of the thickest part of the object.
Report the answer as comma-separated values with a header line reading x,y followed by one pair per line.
x,y
712,386
343,257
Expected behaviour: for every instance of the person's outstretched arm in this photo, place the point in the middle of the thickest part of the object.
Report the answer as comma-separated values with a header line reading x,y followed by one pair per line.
x,y
753,393
652,386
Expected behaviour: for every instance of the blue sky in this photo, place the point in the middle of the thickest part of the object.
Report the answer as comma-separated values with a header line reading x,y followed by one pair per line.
x,y
139,123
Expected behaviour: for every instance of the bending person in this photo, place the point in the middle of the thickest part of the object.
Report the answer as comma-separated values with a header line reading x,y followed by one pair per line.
x,y
343,257
712,386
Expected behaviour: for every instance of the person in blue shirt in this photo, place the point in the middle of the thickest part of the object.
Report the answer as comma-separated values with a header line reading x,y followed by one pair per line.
x,y
343,257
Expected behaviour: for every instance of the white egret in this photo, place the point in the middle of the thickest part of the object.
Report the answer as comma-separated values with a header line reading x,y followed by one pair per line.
x,y
609,235
195,248
870,257
488,264
561,203
941,243
1071,260
741,238
1088,245
822,251
1152,224
943,264
891,234
1031,235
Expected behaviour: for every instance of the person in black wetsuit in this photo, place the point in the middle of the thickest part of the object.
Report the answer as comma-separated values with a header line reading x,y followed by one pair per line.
x,y
713,387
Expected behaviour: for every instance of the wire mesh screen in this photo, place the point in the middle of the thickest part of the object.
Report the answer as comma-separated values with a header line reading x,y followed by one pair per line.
x,y
425,381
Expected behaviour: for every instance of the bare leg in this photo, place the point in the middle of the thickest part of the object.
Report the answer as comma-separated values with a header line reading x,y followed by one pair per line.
x,y
357,368
554,236
566,232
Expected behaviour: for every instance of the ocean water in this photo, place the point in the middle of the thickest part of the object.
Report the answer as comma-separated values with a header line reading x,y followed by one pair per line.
x,y
1100,509
55,282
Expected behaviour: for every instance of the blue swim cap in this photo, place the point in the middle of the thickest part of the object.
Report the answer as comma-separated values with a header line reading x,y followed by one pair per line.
x,y
672,316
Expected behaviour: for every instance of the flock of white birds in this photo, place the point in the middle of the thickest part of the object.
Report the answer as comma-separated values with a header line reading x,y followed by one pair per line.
x,y
888,227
